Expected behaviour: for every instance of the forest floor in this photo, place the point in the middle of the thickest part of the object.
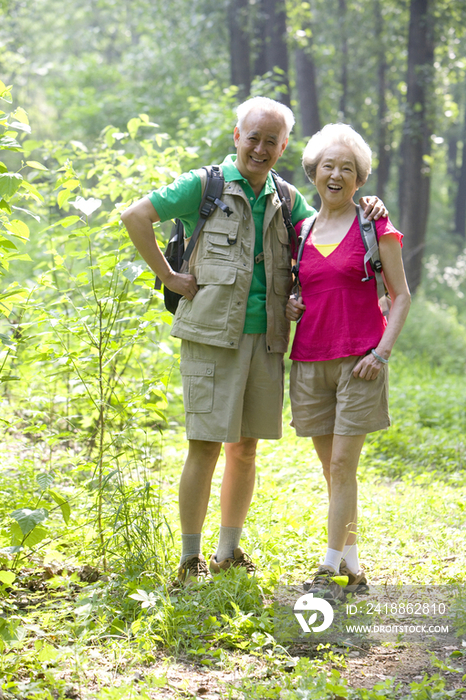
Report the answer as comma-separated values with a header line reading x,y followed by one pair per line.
x,y
81,632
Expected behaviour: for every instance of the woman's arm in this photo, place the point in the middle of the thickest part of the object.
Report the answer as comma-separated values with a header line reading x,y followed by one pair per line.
x,y
395,279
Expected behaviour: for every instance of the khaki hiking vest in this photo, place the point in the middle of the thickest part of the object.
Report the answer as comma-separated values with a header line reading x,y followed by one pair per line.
x,y
222,263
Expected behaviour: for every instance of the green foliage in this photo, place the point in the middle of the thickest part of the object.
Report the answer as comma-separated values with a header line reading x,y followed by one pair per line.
x,y
434,334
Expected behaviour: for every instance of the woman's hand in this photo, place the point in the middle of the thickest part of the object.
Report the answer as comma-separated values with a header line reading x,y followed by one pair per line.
x,y
368,368
294,308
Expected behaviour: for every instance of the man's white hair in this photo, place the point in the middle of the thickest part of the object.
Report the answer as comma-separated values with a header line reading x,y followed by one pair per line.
x,y
329,136
265,104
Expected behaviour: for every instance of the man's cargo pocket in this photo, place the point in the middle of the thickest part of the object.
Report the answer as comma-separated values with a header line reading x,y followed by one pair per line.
x,y
198,385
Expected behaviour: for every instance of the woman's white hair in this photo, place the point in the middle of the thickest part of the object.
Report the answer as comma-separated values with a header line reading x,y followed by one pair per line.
x,y
265,104
329,136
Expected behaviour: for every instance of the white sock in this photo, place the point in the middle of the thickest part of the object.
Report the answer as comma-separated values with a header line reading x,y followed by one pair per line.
x,y
190,546
333,559
228,541
350,555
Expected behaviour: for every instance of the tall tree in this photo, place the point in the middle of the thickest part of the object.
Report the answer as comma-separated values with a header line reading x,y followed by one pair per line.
x,y
271,45
460,208
343,30
238,24
383,147
414,179
306,82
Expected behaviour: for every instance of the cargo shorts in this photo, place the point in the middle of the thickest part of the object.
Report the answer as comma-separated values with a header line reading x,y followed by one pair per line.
x,y
229,394
327,400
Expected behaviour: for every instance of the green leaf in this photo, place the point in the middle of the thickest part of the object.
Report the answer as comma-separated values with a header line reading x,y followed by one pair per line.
x,y
35,536
63,503
69,221
9,183
44,480
34,164
32,190
133,126
7,577
63,196
18,228
9,144
19,126
29,213
28,519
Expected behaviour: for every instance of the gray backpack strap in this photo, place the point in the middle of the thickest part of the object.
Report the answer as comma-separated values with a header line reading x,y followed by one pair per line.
x,y
306,229
210,200
372,257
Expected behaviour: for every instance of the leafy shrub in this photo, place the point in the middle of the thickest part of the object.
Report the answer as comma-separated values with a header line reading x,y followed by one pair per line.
x,y
434,334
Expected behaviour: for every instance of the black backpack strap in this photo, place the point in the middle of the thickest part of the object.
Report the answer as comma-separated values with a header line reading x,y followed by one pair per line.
x,y
372,256
283,192
306,229
211,199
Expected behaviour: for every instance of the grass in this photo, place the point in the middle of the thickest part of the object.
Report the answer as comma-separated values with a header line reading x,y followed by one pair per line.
x,y
69,629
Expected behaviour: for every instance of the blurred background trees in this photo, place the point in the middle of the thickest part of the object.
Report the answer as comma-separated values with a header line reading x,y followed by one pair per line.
x,y
395,70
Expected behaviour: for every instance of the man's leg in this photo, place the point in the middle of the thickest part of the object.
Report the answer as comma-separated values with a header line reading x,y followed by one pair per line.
x,y
236,495
238,481
195,484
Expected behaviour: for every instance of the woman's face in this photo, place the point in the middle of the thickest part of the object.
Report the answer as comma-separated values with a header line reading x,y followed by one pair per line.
x,y
336,176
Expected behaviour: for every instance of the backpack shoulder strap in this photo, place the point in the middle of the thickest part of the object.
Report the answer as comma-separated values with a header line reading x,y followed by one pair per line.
x,y
285,195
372,256
306,229
210,200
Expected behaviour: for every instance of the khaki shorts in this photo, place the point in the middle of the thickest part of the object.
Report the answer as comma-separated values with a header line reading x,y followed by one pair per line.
x,y
229,394
326,399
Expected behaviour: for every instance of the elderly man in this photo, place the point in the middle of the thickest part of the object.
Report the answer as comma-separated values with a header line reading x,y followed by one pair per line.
x,y
231,320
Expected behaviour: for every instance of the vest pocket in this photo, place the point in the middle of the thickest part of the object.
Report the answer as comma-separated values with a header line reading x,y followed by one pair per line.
x,y
198,385
220,242
210,308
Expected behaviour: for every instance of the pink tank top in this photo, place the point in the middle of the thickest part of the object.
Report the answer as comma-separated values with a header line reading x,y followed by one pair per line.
x,y
343,315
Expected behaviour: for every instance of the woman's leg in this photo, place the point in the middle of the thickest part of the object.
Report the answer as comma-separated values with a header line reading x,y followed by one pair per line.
x,y
339,455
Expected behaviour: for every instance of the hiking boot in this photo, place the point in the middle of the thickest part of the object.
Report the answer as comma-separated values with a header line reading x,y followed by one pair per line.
x,y
239,559
357,583
322,585
193,570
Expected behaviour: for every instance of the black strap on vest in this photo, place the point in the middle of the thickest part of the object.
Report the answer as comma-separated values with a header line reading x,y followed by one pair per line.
x,y
283,192
210,201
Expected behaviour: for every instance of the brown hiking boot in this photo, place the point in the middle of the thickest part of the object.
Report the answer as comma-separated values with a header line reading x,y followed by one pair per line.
x,y
194,569
323,585
239,559
357,583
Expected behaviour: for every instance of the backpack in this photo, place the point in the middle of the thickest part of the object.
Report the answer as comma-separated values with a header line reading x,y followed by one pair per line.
x,y
175,252
369,237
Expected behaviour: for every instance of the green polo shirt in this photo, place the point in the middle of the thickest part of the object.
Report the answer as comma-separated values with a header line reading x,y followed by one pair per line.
x,y
181,199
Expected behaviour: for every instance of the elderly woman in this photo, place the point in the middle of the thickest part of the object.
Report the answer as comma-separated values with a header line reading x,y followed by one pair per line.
x,y
340,353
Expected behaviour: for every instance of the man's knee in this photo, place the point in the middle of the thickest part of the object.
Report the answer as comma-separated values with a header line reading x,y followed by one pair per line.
x,y
204,450
242,451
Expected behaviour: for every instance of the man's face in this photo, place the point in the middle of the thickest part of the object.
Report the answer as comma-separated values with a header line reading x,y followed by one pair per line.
x,y
259,145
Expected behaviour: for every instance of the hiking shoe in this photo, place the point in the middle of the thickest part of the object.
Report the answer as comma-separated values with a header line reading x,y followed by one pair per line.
x,y
194,569
322,585
357,583
239,559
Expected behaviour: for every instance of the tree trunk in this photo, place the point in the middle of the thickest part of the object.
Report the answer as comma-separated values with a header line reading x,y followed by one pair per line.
x,y
260,39
414,170
272,48
460,208
383,146
344,58
307,90
238,27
